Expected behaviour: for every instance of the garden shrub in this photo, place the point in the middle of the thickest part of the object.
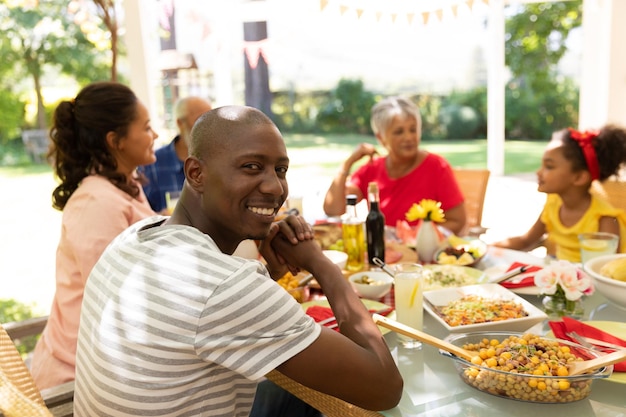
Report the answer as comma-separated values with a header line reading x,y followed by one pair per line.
x,y
13,310
460,122
348,109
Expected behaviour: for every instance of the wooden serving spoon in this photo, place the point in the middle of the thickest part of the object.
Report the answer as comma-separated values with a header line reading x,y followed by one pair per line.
x,y
581,367
423,337
574,368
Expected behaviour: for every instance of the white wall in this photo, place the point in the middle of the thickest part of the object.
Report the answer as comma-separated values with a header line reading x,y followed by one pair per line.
x,y
603,78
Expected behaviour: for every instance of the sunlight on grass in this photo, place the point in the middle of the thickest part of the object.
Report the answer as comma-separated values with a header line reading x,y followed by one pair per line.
x,y
326,153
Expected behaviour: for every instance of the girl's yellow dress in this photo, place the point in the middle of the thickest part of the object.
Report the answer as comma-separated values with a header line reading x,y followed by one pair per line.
x,y
565,238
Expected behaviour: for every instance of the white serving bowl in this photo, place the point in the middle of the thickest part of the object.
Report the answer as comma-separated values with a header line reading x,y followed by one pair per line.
x,y
379,288
338,257
438,298
613,289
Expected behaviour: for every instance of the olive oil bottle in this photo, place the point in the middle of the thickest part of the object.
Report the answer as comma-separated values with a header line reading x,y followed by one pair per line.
x,y
353,236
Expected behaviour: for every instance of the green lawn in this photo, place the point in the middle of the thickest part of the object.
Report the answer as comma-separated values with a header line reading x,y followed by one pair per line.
x,y
326,152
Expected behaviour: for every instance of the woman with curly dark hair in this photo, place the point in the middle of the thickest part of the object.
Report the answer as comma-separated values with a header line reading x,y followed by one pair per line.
x,y
571,162
98,141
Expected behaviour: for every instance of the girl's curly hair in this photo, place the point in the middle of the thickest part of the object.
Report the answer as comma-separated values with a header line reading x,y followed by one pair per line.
x,y
610,147
78,135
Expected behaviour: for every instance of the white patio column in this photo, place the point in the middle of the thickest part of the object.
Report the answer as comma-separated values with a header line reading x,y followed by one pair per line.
x,y
495,89
141,40
603,78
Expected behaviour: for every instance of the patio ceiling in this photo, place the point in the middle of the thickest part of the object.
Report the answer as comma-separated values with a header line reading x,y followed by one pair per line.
x,y
603,80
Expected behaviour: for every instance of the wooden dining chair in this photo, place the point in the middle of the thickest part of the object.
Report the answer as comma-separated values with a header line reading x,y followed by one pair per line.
x,y
326,404
473,184
612,190
19,395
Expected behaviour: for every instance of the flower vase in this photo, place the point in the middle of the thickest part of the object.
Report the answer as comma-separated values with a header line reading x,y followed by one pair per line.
x,y
557,306
427,241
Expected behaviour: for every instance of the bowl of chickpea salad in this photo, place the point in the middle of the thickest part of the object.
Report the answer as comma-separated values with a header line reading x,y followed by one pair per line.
x,y
524,366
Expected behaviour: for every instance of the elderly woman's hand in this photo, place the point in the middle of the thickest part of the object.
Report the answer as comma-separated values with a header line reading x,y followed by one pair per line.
x,y
361,151
295,229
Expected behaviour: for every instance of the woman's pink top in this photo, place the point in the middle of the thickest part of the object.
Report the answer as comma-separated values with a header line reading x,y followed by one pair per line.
x,y
94,215
432,179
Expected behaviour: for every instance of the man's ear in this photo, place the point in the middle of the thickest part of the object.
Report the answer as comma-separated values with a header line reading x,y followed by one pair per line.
x,y
194,173
179,124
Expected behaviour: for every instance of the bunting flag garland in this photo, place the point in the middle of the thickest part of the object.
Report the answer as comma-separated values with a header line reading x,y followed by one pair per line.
x,y
393,10
255,49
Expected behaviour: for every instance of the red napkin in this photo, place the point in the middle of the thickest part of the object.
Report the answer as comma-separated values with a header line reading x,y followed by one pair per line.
x,y
559,328
528,281
319,313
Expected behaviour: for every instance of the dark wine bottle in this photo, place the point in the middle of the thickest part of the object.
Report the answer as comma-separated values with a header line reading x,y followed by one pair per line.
x,y
375,226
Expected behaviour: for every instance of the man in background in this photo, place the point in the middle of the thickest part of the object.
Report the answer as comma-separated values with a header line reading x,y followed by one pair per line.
x,y
166,174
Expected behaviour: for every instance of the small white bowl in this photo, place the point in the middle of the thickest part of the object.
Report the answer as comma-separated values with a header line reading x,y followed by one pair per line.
x,y
338,257
613,289
378,289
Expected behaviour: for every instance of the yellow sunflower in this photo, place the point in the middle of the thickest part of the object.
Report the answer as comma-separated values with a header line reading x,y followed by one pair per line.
x,y
426,210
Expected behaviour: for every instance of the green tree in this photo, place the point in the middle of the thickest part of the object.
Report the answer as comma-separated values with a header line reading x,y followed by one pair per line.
x,y
538,99
348,109
35,35
91,15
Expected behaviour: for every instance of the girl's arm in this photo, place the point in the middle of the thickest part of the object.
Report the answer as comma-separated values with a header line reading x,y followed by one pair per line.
x,y
527,241
610,225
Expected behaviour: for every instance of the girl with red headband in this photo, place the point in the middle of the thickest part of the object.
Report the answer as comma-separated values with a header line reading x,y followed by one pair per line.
x,y
570,163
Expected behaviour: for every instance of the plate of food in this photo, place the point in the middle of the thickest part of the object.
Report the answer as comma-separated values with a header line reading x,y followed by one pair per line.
x,y
444,276
328,235
461,251
482,307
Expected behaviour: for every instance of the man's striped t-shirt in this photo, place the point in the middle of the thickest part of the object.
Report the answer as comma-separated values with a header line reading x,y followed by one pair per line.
x,y
171,326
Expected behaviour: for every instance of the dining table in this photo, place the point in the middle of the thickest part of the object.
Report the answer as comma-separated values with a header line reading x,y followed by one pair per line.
x,y
433,387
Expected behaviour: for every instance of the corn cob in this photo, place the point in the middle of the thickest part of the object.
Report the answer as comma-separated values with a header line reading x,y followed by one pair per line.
x,y
615,269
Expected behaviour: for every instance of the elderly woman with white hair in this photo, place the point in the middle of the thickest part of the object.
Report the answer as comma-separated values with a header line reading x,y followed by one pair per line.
x,y
406,175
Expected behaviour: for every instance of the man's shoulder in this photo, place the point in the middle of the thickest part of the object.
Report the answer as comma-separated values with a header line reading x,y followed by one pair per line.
x,y
166,150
